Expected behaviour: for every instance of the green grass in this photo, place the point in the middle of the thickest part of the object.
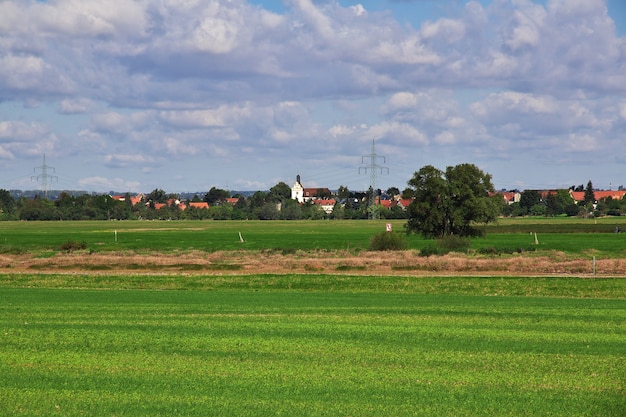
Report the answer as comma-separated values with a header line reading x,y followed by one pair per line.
x,y
187,235
308,345
576,236
357,346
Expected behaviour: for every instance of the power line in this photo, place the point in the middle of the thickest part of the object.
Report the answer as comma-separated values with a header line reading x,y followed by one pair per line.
x,y
373,168
44,176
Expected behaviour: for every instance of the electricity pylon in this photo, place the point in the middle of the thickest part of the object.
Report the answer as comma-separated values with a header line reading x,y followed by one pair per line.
x,y
373,168
44,176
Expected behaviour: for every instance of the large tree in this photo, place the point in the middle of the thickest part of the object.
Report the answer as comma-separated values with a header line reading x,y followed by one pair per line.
x,y
280,192
216,196
451,202
529,199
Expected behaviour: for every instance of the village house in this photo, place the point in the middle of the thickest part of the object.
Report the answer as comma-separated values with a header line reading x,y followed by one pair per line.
x,y
579,196
133,199
327,205
158,206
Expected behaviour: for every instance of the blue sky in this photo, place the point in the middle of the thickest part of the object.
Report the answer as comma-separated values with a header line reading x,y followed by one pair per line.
x,y
183,95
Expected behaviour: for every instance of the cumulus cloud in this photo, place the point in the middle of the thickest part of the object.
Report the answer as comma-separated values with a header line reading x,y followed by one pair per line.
x,y
75,106
103,183
121,161
182,79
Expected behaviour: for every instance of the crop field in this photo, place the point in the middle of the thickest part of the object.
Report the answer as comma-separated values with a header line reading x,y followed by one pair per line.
x,y
444,347
199,336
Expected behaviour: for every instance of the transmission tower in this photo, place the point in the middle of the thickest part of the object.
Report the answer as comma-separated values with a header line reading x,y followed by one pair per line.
x,y
374,169
44,176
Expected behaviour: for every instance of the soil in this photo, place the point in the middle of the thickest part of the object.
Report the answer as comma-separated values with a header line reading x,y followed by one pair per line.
x,y
322,262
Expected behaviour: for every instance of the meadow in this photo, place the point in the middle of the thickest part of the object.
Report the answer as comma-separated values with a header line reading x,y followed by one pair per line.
x,y
442,347
570,235
317,344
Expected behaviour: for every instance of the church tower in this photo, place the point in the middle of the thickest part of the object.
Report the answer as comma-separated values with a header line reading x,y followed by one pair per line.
x,y
297,191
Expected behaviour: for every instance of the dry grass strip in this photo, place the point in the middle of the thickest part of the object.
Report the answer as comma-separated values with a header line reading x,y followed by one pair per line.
x,y
334,262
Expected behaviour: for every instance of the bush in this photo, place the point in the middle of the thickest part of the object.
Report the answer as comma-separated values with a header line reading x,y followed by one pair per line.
x,y
71,246
447,244
387,241
430,250
454,243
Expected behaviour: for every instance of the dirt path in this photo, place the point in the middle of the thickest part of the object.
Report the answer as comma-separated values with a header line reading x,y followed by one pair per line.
x,y
271,262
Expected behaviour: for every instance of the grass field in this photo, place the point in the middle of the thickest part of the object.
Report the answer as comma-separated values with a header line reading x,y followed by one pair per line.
x,y
442,347
161,343
559,234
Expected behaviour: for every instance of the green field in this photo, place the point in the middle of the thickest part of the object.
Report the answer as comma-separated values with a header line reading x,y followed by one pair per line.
x,y
577,236
440,348
80,344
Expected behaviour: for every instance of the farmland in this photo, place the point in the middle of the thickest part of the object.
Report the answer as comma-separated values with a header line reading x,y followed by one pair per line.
x,y
564,246
568,234
182,318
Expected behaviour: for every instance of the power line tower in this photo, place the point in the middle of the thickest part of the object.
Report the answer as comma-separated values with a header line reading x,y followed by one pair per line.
x,y
44,176
373,168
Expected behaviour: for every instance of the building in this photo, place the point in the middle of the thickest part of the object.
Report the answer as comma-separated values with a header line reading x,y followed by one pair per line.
x,y
297,191
303,195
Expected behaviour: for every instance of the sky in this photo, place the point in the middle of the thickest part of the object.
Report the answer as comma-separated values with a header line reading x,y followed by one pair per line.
x,y
185,95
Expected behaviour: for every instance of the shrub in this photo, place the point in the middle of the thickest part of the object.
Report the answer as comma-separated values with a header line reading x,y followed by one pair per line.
x,y
430,250
454,243
72,245
384,241
447,244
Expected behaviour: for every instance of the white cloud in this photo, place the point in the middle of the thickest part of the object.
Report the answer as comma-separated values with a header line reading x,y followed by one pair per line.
x,y
21,131
314,17
118,123
116,18
176,146
6,154
103,183
448,30
445,138
120,160
31,73
217,30
398,133
180,80
511,101
341,130
75,106
581,143
401,100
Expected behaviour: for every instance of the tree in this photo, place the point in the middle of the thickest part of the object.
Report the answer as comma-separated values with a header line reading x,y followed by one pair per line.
x,y
529,199
291,210
393,191
589,197
280,192
216,196
156,196
448,203
7,204
557,202
39,209
343,192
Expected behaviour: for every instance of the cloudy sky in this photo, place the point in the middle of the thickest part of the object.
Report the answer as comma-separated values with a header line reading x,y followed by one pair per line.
x,y
183,95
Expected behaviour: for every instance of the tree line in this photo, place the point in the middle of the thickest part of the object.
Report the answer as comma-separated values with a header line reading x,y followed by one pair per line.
x,y
275,204
450,202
